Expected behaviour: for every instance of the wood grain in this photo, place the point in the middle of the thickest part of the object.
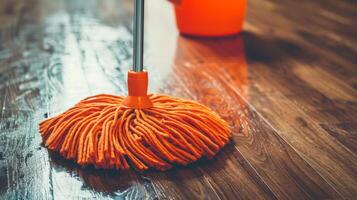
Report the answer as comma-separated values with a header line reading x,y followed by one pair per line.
x,y
261,146
302,105
286,85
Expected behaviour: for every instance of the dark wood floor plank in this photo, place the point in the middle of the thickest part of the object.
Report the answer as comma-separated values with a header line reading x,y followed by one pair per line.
x,y
345,133
311,42
302,130
259,143
272,83
330,100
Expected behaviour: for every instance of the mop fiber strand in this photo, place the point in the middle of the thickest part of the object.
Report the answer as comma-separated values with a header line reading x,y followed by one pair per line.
x,y
100,131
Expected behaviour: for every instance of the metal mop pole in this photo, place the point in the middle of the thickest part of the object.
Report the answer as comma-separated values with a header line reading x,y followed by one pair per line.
x,y
138,35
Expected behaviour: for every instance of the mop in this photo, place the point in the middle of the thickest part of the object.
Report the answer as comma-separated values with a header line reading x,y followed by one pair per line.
x,y
140,130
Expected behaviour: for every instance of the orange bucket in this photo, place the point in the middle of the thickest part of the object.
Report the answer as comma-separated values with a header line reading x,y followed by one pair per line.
x,y
210,17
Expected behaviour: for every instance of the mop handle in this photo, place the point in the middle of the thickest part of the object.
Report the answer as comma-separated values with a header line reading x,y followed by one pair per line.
x,y
138,35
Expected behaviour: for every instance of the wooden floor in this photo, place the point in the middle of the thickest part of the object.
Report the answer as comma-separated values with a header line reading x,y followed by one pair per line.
x,y
286,85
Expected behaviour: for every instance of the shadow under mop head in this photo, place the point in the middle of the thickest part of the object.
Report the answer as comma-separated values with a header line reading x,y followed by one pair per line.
x,y
140,130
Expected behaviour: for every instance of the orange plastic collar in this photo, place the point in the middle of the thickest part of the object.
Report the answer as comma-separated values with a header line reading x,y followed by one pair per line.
x,y
137,90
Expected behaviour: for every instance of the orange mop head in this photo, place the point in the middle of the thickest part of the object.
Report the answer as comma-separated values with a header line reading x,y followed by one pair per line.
x,y
155,131
139,130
